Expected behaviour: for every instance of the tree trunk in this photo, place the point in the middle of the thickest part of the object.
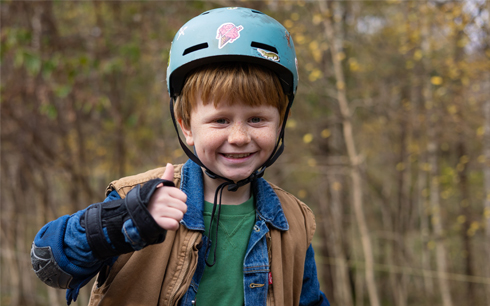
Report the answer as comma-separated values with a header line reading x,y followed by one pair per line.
x,y
424,229
486,172
432,149
486,153
333,36
333,213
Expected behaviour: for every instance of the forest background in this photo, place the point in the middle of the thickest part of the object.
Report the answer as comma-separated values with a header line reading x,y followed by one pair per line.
x,y
388,140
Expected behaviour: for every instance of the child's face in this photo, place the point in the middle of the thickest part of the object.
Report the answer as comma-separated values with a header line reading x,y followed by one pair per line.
x,y
233,140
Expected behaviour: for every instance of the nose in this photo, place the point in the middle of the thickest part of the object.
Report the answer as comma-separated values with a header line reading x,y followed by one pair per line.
x,y
239,135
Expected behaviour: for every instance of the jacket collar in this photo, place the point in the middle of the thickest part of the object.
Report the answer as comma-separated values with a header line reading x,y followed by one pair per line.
x,y
268,205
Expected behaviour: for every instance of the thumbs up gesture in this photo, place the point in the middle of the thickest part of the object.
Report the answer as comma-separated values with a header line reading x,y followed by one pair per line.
x,y
167,204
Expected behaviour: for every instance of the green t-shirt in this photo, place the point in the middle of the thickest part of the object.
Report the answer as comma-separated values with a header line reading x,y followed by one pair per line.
x,y
222,284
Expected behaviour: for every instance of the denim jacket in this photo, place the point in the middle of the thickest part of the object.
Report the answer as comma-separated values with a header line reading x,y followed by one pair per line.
x,y
77,260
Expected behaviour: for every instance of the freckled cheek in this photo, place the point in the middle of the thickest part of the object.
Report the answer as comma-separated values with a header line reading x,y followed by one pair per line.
x,y
210,141
266,137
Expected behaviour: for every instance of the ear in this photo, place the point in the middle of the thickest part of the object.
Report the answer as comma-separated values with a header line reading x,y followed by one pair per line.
x,y
286,117
187,132
279,128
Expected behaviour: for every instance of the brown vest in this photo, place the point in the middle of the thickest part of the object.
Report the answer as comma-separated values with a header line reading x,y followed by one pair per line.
x,y
160,274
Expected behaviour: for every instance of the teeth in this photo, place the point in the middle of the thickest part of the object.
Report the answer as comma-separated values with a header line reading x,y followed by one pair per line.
x,y
236,155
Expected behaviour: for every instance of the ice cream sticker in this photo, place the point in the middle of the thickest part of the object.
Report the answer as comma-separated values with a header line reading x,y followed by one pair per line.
x,y
227,33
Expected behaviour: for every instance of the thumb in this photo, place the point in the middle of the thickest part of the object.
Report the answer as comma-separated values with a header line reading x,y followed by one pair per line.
x,y
169,173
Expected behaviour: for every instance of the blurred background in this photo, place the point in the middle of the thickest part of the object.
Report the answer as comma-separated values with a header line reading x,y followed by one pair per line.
x,y
388,140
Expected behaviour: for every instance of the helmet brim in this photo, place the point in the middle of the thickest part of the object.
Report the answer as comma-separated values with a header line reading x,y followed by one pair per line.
x,y
179,75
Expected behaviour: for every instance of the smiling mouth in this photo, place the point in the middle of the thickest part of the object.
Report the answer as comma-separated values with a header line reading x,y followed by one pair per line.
x,y
237,156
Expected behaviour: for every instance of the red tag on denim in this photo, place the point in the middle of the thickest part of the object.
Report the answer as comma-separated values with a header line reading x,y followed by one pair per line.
x,y
270,278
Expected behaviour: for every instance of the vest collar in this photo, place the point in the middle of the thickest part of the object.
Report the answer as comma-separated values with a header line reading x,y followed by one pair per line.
x,y
268,206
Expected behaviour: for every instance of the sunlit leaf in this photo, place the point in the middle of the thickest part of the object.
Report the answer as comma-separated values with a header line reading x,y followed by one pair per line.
x,y
307,138
436,80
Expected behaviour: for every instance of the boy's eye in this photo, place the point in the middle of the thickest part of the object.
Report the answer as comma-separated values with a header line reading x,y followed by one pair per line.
x,y
255,120
221,121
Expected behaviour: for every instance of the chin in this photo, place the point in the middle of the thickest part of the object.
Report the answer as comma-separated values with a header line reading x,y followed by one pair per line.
x,y
237,177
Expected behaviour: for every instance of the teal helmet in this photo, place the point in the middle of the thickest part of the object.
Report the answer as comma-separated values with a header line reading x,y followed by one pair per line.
x,y
232,34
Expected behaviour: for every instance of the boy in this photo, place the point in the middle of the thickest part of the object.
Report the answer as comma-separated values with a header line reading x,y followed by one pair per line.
x,y
233,76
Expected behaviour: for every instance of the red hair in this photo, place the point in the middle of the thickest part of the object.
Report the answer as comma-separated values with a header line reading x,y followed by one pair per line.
x,y
252,84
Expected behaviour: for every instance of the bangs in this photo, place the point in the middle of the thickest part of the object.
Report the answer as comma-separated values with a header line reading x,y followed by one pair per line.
x,y
231,83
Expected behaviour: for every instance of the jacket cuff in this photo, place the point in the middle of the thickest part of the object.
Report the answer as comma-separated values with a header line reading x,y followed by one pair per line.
x,y
132,235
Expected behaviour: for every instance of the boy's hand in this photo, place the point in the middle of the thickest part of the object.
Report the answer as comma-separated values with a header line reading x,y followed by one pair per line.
x,y
167,205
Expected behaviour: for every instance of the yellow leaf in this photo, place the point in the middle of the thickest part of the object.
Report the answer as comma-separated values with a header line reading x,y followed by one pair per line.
x,y
337,186
431,245
340,56
461,43
481,159
480,131
291,124
475,225
452,109
326,133
486,213
307,138
178,153
353,64
426,167
445,194
302,194
400,166
295,16
300,39
313,45
311,162
317,18
417,55
403,49
288,23
315,75
436,80
461,219
407,105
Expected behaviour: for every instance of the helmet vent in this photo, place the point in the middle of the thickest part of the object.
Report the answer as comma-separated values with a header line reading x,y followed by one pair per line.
x,y
204,13
263,46
195,48
257,12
